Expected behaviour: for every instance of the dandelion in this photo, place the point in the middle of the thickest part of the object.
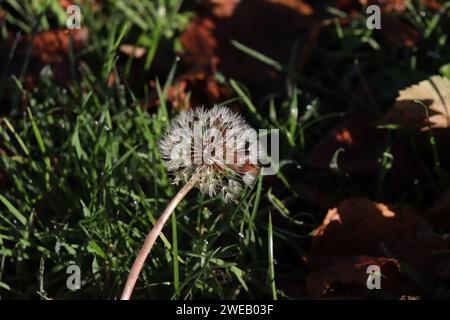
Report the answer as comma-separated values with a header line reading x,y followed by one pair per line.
x,y
214,150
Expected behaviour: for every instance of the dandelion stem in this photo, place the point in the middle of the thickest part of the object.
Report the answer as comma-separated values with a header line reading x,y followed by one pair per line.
x,y
152,236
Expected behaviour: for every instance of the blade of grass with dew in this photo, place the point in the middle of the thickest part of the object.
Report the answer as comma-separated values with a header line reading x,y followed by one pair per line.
x,y
271,270
16,135
42,148
16,213
176,270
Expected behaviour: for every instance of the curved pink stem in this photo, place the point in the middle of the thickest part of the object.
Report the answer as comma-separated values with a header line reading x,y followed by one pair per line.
x,y
152,236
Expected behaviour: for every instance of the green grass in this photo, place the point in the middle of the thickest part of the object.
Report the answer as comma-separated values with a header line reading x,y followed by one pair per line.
x,y
86,180
271,261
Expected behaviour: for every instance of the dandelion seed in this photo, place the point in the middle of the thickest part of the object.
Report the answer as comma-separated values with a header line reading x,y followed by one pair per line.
x,y
216,145
214,150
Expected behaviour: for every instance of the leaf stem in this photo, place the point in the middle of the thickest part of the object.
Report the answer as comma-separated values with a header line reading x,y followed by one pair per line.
x,y
152,236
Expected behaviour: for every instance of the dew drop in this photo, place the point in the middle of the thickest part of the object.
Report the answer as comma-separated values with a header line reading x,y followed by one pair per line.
x,y
161,11
106,128
57,247
241,235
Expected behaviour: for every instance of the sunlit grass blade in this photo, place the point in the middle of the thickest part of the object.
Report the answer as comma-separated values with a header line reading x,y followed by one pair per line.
x,y
271,271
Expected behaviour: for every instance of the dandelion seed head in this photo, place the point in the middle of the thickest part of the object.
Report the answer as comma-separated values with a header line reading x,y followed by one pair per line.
x,y
217,145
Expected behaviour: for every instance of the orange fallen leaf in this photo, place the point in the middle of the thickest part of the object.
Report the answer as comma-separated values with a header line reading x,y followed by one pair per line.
x,y
195,88
359,230
358,148
268,26
52,47
351,272
396,30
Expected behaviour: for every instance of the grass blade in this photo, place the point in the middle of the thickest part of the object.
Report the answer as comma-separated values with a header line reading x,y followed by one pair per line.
x,y
273,288
19,216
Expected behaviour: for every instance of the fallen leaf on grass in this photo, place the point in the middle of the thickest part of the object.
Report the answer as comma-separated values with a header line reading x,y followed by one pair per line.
x,y
434,93
48,48
65,3
270,27
194,88
222,8
396,30
351,272
439,212
387,6
52,47
361,143
354,235
358,147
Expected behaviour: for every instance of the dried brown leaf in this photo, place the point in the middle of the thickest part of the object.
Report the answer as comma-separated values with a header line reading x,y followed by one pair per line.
x,y
359,228
434,93
268,26
439,212
350,272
